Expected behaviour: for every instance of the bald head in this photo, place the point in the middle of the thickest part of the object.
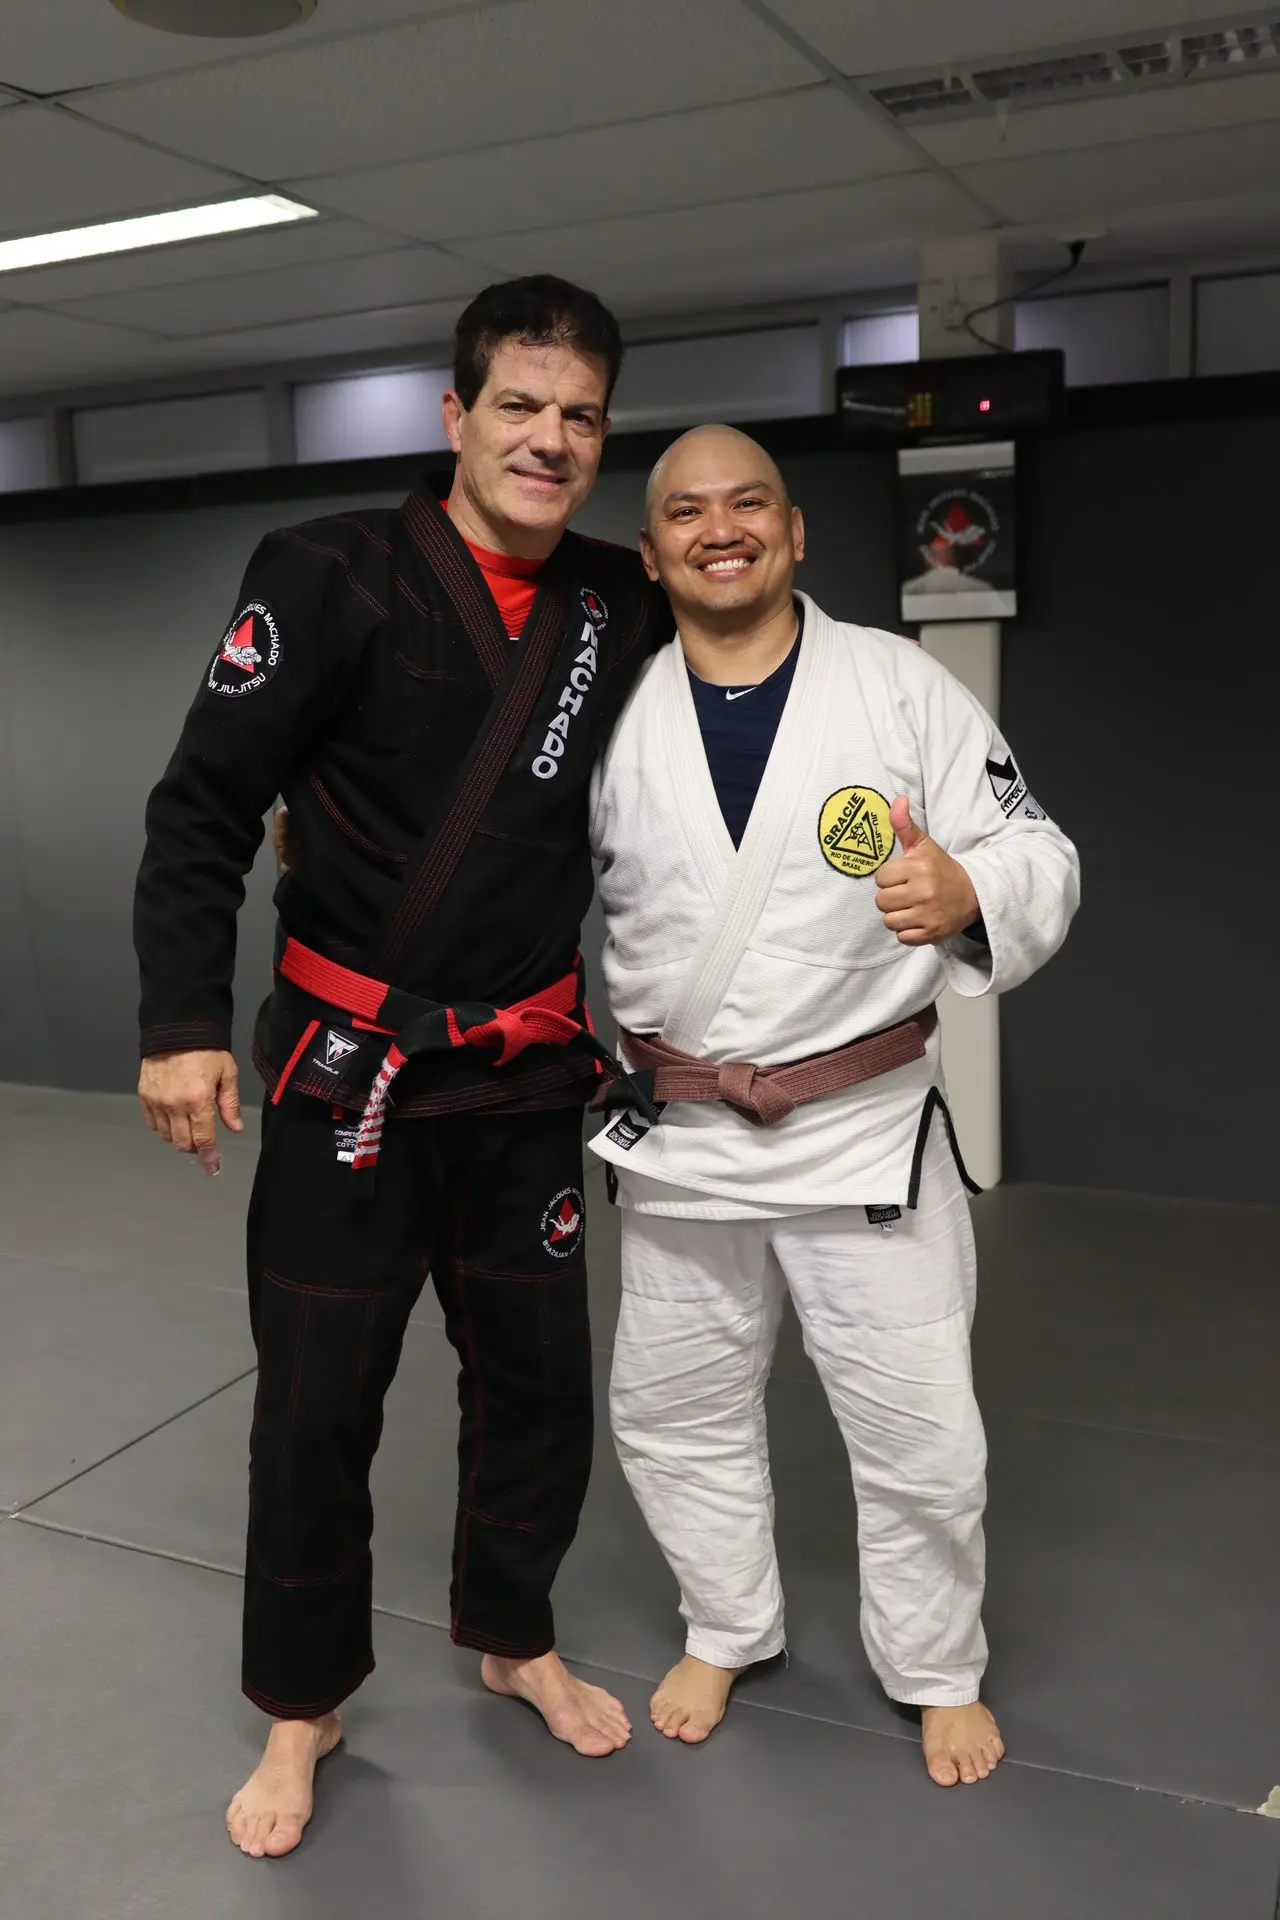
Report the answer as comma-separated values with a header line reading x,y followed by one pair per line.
x,y
721,534
711,454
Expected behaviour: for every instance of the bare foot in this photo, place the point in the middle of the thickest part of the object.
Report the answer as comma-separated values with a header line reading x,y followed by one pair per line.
x,y
960,1743
691,1702
586,1718
270,1811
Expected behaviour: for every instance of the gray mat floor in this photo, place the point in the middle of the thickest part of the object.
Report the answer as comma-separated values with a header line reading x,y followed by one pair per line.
x,y
1126,1353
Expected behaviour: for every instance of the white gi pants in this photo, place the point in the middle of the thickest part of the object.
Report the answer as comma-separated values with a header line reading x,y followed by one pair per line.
x,y
886,1319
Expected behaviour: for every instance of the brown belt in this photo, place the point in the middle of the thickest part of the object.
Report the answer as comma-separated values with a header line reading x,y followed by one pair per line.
x,y
765,1095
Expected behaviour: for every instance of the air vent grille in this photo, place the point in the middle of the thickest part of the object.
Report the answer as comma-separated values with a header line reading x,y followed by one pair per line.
x,y
1174,58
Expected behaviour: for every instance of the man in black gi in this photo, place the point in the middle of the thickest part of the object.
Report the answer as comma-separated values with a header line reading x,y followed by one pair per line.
x,y
428,690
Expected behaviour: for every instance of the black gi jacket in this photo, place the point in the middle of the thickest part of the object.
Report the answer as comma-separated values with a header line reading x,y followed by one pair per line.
x,y
438,778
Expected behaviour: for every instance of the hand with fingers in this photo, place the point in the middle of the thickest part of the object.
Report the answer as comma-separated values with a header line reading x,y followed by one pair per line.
x,y
924,895
184,1094
284,840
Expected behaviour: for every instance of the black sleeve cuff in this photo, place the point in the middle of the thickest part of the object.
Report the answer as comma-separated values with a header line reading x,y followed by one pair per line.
x,y
186,1036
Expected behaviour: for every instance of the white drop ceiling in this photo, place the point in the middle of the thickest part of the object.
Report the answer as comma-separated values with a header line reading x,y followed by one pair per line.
x,y
673,154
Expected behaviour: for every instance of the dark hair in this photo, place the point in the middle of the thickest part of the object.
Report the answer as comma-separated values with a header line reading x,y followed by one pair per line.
x,y
538,311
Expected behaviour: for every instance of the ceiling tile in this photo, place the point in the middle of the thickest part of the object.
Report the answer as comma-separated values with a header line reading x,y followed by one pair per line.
x,y
463,81
811,138
1095,181
1125,116
737,233
249,253
40,350
415,328
412,275
51,46
804,272
865,39
1199,230
57,172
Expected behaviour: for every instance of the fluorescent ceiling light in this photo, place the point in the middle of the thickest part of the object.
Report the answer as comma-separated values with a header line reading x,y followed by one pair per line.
x,y
151,230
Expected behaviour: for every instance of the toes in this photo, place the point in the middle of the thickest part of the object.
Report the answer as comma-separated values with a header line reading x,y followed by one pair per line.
x,y
283,1838
693,1732
943,1770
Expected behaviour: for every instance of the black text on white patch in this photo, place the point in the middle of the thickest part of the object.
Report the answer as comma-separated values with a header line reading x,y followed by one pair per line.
x,y
249,654
1010,790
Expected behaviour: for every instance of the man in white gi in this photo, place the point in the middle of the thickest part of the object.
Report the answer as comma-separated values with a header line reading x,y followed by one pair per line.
x,y
805,831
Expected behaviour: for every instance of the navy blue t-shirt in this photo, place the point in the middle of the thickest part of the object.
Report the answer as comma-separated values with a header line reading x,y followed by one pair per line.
x,y
738,728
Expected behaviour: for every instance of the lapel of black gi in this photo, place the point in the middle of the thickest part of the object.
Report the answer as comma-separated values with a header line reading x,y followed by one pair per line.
x,y
516,692
450,561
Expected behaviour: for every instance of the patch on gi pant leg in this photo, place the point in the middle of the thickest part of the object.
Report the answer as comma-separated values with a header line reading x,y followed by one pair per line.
x,y
885,1217
563,1220
855,831
1010,790
249,654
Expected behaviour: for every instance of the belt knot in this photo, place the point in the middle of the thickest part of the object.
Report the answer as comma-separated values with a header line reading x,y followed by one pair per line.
x,y
757,1097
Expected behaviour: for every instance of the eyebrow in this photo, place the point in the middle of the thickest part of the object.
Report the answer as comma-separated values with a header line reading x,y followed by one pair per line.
x,y
743,486
532,400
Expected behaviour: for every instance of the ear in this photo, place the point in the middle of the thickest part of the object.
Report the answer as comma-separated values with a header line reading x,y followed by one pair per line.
x,y
605,427
648,555
451,414
797,533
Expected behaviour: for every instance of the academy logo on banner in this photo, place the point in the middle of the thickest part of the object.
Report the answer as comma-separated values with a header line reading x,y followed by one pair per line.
x,y
562,1224
249,654
956,532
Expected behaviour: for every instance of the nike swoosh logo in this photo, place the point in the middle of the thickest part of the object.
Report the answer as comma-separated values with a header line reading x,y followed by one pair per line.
x,y
741,694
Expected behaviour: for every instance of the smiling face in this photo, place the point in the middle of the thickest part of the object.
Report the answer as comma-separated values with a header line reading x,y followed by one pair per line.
x,y
529,449
721,534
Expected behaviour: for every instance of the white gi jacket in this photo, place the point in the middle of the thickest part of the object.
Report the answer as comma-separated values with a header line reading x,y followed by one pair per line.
x,y
777,950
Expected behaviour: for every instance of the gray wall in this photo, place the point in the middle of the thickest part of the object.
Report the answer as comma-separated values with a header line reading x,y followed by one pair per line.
x,y
106,627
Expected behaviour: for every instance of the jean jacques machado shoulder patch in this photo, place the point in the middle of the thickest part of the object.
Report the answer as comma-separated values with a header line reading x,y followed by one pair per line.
x,y
1010,789
249,654
546,764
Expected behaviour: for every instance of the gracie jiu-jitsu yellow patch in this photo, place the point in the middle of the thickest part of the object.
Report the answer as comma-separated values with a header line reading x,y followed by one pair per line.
x,y
855,832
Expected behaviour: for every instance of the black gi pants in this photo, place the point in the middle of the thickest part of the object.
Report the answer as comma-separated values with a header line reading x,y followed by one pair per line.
x,y
492,1207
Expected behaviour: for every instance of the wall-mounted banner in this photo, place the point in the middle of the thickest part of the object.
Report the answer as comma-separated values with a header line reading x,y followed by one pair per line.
x,y
956,532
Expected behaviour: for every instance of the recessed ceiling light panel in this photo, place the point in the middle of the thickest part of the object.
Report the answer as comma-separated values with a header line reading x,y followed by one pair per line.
x,y
217,19
151,230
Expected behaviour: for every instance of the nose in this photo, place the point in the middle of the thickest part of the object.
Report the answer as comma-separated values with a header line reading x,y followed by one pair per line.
x,y
548,438
719,528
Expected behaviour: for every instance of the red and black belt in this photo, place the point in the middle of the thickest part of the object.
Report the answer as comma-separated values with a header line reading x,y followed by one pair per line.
x,y
415,1026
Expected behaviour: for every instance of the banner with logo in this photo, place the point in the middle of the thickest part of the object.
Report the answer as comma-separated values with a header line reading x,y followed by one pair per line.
x,y
956,532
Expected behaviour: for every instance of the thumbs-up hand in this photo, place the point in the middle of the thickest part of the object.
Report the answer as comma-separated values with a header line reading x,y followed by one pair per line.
x,y
924,895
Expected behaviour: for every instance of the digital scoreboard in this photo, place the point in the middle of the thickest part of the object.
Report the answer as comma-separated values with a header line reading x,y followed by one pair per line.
x,y
971,397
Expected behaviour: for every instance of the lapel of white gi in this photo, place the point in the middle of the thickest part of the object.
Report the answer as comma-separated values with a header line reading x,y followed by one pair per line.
x,y
741,882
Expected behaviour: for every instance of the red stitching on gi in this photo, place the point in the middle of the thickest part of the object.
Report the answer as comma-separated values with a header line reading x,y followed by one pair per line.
x,y
521,840
537,1279
289,1710
336,553
321,1293
294,1396
340,820
490,1643
308,1580
464,584
492,1520
425,673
